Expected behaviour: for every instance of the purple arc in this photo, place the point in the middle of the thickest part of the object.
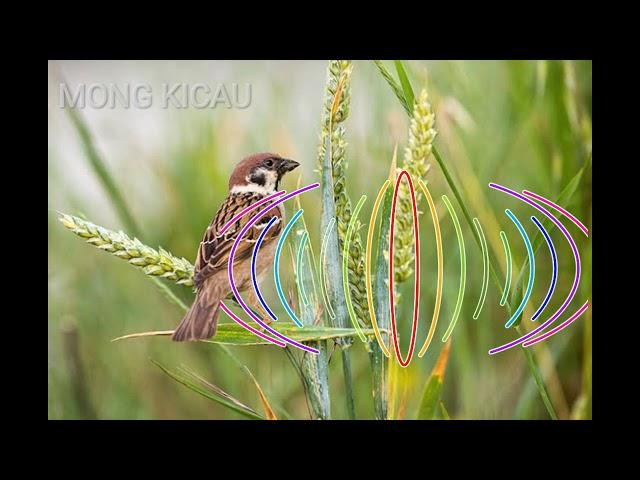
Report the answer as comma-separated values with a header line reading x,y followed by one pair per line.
x,y
250,208
576,279
224,307
557,207
242,303
558,328
254,277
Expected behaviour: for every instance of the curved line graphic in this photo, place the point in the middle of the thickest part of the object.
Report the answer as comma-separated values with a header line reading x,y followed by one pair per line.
x,y
345,269
226,309
230,268
436,307
485,269
323,277
253,268
507,253
576,278
558,328
463,268
532,269
276,267
248,209
367,268
554,257
303,243
416,251
548,202
239,321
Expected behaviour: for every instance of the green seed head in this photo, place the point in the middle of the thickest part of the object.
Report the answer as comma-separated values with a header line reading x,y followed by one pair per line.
x,y
156,263
421,135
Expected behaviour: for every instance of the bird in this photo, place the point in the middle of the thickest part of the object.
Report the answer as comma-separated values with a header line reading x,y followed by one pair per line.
x,y
253,178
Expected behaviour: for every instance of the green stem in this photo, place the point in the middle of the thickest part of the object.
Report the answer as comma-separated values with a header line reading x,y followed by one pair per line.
x,y
172,297
537,376
303,381
103,174
348,383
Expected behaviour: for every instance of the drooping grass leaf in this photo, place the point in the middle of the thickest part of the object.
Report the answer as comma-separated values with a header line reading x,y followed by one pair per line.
x,y
208,390
234,334
268,410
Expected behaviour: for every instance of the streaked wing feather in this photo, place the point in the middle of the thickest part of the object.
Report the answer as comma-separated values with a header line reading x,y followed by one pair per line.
x,y
214,250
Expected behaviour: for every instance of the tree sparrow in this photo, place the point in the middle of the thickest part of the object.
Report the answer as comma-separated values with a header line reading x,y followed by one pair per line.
x,y
254,178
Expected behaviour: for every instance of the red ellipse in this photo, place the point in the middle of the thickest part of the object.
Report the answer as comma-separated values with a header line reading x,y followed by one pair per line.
x,y
416,249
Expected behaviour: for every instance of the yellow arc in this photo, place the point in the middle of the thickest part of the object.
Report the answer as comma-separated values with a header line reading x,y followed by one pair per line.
x,y
436,308
367,266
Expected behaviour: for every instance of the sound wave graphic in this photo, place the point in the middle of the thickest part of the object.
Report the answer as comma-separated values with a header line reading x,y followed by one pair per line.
x,y
280,338
530,338
534,200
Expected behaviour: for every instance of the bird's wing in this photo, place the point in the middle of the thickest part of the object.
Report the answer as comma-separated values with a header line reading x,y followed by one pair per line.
x,y
214,250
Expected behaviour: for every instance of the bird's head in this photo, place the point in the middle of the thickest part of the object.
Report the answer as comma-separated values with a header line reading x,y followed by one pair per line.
x,y
260,173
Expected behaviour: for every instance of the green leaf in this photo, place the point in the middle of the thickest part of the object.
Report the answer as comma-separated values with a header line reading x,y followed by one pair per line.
x,y
431,395
397,89
208,390
234,334
404,81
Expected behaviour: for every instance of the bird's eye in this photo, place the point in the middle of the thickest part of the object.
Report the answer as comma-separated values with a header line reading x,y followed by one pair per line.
x,y
269,163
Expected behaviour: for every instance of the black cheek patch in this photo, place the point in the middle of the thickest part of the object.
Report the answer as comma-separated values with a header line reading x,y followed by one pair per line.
x,y
258,178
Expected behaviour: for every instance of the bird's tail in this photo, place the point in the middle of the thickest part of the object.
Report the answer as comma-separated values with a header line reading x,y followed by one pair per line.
x,y
200,322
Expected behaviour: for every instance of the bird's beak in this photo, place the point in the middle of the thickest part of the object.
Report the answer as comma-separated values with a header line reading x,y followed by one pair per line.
x,y
287,165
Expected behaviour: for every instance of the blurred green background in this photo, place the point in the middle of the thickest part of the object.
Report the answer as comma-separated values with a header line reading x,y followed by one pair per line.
x,y
523,124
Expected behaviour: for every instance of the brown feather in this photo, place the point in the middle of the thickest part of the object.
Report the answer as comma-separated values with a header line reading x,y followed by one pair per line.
x,y
210,273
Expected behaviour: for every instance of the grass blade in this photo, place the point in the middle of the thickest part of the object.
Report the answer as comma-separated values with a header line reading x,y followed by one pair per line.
x,y
100,169
404,81
430,402
394,86
537,376
210,391
234,334
268,410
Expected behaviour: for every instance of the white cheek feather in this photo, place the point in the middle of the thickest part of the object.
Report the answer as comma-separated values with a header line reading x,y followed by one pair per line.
x,y
268,188
251,188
